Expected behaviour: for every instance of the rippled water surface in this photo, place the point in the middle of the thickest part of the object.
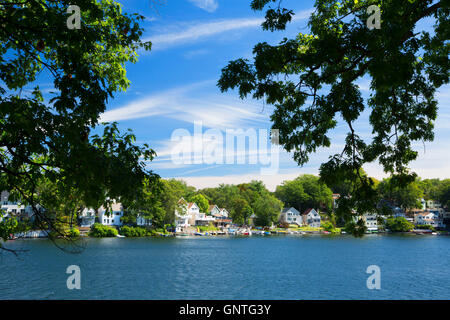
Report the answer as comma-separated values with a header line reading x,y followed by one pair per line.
x,y
276,267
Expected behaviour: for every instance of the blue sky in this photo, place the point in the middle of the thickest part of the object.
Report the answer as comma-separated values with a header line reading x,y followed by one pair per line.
x,y
175,84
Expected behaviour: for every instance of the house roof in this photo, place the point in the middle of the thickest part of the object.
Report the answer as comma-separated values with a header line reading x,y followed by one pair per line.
x,y
190,204
307,211
212,206
290,209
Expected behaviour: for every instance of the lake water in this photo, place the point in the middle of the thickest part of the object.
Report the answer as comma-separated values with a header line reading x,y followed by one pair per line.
x,y
275,267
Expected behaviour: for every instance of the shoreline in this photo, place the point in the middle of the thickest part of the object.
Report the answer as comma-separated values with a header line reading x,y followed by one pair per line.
x,y
266,234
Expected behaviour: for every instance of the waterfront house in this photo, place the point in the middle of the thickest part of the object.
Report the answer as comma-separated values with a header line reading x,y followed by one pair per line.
x,y
311,218
141,221
432,204
87,217
214,210
182,215
202,219
429,218
224,212
222,222
111,217
193,211
14,208
291,216
220,216
188,214
370,221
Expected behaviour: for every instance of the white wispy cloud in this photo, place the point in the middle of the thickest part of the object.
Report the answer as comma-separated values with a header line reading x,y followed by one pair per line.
x,y
197,31
185,104
196,53
207,5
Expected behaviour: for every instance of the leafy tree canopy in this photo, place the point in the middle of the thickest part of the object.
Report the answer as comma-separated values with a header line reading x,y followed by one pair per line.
x,y
311,81
406,197
399,224
201,202
50,139
305,191
245,199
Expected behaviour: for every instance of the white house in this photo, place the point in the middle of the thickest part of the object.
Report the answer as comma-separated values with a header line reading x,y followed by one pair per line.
x,y
188,214
111,217
141,221
202,219
370,221
431,204
87,217
311,218
14,208
224,212
214,210
429,218
291,216
185,214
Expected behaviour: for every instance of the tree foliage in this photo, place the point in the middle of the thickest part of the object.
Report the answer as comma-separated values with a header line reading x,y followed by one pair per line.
x,y
201,202
51,138
312,81
100,231
406,197
246,199
305,191
399,224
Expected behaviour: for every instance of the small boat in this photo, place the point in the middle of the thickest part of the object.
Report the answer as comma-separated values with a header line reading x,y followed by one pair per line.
x,y
434,233
120,236
198,234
